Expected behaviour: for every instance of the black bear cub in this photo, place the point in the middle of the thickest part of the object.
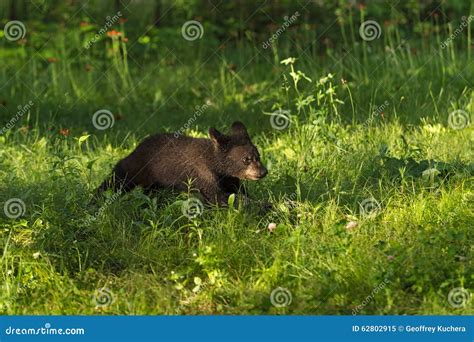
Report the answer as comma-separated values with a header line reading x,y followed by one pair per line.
x,y
215,166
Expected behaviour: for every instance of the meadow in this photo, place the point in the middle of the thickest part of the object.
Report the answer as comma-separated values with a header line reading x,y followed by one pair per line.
x,y
368,141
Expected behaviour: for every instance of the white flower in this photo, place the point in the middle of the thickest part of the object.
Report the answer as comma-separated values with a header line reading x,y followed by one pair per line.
x,y
271,227
351,225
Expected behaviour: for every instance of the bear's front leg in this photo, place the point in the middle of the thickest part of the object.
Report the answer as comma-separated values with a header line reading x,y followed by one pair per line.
x,y
212,192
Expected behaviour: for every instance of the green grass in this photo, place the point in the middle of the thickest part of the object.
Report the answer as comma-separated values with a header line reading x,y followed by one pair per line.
x,y
334,154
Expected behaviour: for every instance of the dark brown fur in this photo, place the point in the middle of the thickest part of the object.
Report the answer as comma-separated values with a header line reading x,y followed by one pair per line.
x,y
215,166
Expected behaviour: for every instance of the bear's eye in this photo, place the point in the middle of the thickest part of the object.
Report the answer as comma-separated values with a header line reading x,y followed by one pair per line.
x,y
247,160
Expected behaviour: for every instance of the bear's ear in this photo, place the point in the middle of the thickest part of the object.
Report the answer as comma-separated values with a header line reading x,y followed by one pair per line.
x,y
238,128
217,138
